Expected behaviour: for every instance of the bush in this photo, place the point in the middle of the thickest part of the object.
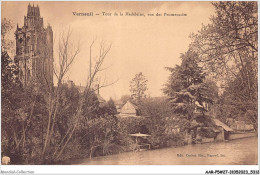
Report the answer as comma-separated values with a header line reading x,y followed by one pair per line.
x,y
171,140
207,132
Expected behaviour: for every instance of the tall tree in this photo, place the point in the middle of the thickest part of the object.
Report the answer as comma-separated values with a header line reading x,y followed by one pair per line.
x,y
234,102
230,40
67,54
138,87
188,91
228,48
185,86
9,92
21,108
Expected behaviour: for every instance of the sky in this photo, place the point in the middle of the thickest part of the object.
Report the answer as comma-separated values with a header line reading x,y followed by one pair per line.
x,y
139,44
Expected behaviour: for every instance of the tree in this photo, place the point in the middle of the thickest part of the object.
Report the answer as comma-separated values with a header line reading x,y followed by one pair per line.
x,y
69,101
100,136
91,106
185,86
67,51
7,44
39,122
21,107
95,67
230,40
23,115
234,103
109,108
160,119
9,73
125,98
187,91
9,89
98,128
228,48
138,87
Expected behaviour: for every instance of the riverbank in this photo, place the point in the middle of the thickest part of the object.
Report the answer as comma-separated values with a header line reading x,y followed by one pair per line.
x,y
234,152
242,135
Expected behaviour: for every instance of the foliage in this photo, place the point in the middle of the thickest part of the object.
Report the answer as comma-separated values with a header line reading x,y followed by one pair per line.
x,y
99,136
69,101
175,140
230,40
125,98
228,48
235,102
189,91
138,87
39,123
161,122
90,105
10,88
109,108
185,87
206,132
9,77
23,116
156,111
128,126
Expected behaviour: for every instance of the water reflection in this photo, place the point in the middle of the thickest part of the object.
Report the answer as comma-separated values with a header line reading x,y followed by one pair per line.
x,y
236,152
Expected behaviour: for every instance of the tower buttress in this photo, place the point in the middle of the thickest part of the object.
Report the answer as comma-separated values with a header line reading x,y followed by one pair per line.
x,y
34,49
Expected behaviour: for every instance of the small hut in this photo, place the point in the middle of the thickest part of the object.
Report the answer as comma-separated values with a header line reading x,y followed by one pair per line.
x,y
224,132
129,110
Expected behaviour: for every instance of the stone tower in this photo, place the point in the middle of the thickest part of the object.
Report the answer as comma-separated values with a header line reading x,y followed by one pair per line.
x,y
34,49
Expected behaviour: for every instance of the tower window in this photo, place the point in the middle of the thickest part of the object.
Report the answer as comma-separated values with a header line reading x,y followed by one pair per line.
x,y
20,40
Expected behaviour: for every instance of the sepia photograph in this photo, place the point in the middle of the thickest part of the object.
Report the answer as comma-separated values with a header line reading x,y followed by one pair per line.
x,y
129,83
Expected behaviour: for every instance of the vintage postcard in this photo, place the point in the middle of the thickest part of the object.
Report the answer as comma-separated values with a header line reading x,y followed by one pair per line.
x,y
129,83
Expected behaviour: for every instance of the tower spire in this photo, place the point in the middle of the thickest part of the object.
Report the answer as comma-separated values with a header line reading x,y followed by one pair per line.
x,y
38,10
29,9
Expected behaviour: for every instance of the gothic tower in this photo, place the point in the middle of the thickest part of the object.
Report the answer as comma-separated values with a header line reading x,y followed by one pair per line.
x,y
34,49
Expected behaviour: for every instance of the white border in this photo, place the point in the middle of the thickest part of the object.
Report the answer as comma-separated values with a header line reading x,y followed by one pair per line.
x,y
125,169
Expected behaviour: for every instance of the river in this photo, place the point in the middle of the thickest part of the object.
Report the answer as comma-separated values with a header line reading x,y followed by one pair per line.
x,y
235,152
